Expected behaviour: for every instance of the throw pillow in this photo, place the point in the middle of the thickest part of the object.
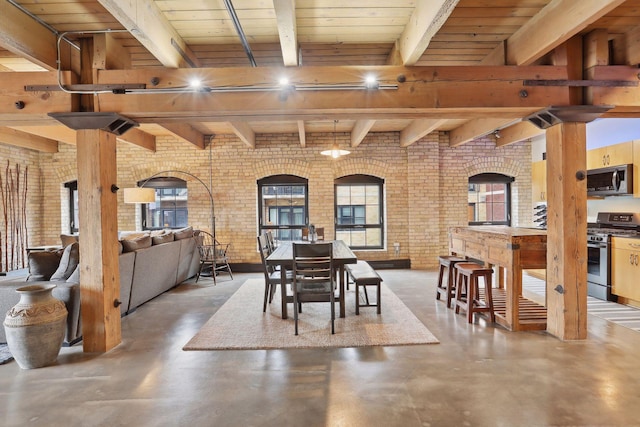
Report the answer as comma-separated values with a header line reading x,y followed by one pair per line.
x,y
68,239
68,263
42,264
183,233
130,245
162,238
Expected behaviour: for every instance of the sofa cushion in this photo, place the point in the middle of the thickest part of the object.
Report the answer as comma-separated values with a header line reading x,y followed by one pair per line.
x,y
183,233
75,276
162,238
68,263
67,239
42,264
130,245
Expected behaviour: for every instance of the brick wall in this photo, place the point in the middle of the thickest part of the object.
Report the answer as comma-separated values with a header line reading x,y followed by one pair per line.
x,y
425,185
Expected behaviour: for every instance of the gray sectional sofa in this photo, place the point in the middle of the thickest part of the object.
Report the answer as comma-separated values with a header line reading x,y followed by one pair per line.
x,y
149,265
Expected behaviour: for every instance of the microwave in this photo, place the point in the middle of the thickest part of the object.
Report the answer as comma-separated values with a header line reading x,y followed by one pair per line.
x,y
610,181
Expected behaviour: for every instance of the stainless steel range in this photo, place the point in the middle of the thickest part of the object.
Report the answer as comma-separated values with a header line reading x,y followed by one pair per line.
x,y
599,235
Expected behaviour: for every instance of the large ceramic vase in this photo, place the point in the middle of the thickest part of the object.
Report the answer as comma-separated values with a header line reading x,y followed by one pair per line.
x,y
35,326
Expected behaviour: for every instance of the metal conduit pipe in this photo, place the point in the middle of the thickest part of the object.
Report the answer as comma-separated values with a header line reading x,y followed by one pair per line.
x,y
243,38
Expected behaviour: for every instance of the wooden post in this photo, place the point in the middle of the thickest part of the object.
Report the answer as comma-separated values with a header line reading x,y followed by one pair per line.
x,y
99,273
566,231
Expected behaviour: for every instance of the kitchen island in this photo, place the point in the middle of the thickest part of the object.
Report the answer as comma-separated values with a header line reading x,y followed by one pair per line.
x,y
512,250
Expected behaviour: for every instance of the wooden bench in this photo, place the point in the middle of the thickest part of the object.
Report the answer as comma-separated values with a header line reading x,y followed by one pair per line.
x,y
362,274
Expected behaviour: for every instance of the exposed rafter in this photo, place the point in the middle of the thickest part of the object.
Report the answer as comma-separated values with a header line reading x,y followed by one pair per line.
x,y
425,22
555,24
186,133
26,140
475,129
287,29
145,22
360,130
301,133
245,133
417,129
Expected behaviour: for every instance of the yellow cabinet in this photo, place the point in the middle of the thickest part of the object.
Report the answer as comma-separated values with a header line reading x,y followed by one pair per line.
x,y
636,167
612,155
625,267
539,181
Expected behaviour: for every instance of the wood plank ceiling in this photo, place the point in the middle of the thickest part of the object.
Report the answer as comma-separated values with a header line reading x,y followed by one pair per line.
x,y
321,33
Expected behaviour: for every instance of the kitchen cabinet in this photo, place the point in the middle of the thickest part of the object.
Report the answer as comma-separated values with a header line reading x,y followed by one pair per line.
x,y
612,155
539,181
636,167
625,267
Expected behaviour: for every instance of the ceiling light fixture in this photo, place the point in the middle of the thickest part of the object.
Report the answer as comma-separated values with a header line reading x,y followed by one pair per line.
x,y
335,151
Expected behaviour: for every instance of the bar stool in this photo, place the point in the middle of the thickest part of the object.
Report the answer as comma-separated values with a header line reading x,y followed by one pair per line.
x,y
447,263
468,292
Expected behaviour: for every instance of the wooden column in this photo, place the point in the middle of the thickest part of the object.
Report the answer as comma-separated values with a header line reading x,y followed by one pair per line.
x,y
566,231
99,273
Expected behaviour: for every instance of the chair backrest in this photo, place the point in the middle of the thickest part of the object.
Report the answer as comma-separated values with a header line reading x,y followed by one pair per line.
x,y
320,233
313,262
305,233
270,241
210,249
263,247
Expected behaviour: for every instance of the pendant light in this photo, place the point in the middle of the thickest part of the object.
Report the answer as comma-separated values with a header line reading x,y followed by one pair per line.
x,y
335,151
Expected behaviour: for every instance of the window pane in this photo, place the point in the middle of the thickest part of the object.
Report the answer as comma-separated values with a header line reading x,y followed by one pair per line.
x,y
358,211
488,202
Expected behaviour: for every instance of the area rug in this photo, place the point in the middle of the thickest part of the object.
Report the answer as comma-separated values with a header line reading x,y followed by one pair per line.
x,y
5,354
240,324
620,314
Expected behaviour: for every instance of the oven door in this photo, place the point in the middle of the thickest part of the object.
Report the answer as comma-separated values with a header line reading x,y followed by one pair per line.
x,y
598,263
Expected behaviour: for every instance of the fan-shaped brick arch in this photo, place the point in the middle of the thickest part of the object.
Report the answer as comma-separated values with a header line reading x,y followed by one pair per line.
x,y
355,166
282,167
139,172
67,173
501,165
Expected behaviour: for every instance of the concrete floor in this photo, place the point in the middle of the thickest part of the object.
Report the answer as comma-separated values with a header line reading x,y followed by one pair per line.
x,y
478,375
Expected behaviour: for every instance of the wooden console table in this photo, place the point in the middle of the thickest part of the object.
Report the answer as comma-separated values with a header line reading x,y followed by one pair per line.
x,y
512,249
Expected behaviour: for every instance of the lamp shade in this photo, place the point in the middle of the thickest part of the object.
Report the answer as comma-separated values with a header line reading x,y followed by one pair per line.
x,y
139,195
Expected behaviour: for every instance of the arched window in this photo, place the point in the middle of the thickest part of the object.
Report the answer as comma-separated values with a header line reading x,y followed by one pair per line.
x,y
283,206
170,208
490,199
359,211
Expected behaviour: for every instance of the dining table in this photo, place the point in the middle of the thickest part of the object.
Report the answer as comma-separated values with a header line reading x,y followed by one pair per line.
x,y
282,256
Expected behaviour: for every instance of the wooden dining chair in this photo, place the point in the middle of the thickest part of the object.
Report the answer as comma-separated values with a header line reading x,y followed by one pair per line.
x,y
313,277
213,255
272,276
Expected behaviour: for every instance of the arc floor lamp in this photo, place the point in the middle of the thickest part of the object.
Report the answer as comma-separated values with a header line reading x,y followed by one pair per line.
x,y
142,194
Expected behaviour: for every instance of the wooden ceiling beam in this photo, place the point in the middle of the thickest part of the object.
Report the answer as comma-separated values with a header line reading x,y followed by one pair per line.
x,y
140,138
244,132
474,129
287,30
186,133
556,23
27,140
417,129
58,132
518,132
424,23
302,134
146,22
426,90
24,36
360,129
